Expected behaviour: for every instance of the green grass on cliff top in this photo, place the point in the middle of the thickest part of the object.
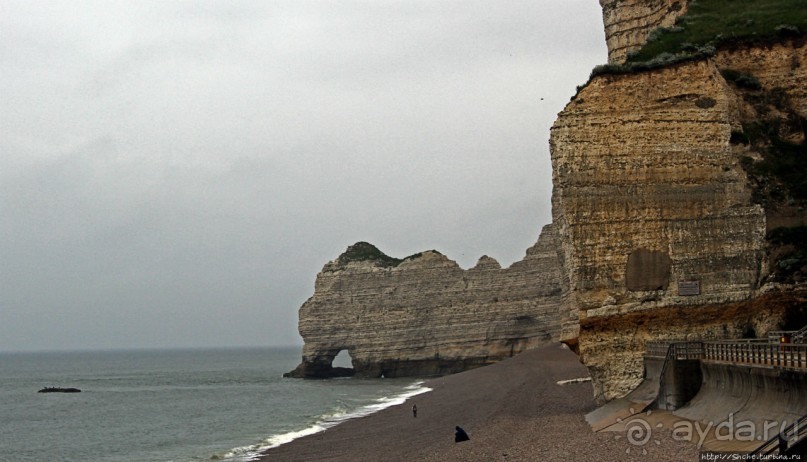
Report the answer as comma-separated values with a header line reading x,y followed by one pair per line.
x,y
718,22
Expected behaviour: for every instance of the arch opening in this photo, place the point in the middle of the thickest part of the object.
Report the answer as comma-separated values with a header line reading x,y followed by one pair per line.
x,y
343,361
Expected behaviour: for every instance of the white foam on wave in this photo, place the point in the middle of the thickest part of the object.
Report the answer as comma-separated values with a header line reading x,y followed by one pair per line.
x,y
326,421
385,402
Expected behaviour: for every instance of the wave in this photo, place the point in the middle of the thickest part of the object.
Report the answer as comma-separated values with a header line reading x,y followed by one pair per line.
x,y
325,421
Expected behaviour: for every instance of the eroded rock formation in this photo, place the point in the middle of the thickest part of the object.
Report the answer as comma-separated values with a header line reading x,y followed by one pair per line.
x,y
662,214
777,66
678,213
628,23
424,315
643,164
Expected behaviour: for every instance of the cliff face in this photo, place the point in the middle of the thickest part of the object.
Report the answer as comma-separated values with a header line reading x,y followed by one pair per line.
x,y
678,213
628,23
777,66
649,200
648,193
425,315
662,224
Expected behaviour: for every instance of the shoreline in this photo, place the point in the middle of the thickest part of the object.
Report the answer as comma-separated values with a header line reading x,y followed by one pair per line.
x,y
325,422
512,410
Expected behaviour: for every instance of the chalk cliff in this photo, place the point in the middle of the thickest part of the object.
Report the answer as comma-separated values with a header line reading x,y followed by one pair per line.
x,y
678,213
666,195
628,23
648,194
424,315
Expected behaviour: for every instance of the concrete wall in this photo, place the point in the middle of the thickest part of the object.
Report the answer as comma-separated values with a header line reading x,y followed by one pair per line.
x,y
681,382
748,396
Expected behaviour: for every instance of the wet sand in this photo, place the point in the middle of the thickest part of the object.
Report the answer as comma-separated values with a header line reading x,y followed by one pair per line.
x,y
513,411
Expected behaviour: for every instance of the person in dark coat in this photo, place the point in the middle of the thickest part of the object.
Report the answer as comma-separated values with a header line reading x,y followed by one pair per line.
x,y
460,435
414,410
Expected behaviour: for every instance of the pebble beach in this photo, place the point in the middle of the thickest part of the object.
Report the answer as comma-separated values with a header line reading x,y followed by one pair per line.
x,y
514,410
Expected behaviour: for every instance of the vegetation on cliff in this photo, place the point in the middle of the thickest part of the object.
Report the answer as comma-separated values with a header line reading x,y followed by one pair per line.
x,y
711,24
776,145
720,22
777,141
790,245
778,176
364,251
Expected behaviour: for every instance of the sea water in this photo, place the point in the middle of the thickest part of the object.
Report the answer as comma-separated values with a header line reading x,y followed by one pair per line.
x,y
177,405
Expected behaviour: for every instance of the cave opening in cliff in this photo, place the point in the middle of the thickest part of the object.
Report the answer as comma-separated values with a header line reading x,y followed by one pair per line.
x,y
343,359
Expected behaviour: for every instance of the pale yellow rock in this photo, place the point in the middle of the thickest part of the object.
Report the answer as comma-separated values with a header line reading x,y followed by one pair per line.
x,y
427,316
629,22
655,235
643,166
777,66
643,161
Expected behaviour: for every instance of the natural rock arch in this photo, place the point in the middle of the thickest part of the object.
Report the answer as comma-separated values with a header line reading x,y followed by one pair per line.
x,y
424,315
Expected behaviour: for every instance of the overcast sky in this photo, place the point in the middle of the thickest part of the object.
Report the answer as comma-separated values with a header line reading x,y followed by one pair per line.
x,y
175,174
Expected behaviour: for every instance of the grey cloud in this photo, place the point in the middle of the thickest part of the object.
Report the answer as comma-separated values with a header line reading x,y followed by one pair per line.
x,y
176,173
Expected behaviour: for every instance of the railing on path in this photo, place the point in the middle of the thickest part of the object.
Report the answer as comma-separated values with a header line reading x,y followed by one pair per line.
x,y
678,350
687,350
670,395
745,351
795,336
800,335
782,442
657,348
784,355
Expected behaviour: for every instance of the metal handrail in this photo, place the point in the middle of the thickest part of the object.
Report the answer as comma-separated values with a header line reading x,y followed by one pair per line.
x,y
681,349
796,336
658,348
790,436
786,355
743,340
800,334
781,355
668,358
688,350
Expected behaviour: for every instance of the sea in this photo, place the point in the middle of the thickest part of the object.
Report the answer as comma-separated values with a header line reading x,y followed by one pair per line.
x,y
173,405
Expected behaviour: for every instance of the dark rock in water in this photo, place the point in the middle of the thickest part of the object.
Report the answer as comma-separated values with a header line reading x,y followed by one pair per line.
x,y
59,390
327,372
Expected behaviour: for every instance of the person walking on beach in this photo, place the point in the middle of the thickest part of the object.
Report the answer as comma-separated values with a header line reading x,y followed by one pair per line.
x,y
414,410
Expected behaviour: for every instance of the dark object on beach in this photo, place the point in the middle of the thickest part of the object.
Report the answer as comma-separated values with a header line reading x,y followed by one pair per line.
x,y
59,390
460,435
414,410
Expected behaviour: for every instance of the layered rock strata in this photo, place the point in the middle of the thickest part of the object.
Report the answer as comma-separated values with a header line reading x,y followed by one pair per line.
x,y
648,196
425,315
778,108
664,205
628,23
777,66
660,234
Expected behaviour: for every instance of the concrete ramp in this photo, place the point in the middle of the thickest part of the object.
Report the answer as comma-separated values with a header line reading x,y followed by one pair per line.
x,y
635,402
646,392
613,412
744,398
